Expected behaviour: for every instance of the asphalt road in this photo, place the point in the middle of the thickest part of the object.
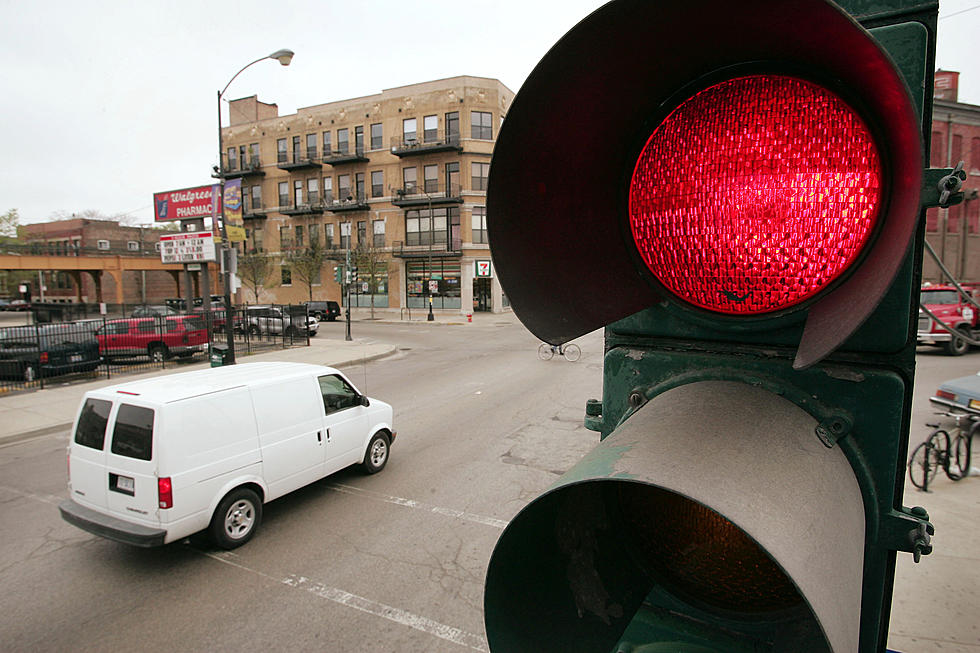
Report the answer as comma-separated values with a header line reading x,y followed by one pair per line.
x,y
391,562
396,561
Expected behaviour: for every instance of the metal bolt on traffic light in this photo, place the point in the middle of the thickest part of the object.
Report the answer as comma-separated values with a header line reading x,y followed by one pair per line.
x,y
749,217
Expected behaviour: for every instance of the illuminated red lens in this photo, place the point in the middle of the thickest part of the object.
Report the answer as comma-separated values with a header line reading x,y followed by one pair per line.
x,y
755,194
165,491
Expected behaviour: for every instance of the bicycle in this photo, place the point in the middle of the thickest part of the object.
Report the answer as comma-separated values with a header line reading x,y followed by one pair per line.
x,y
952,453
570,351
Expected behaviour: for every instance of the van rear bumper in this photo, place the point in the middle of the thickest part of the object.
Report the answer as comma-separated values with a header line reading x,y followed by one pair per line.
x,y
110,527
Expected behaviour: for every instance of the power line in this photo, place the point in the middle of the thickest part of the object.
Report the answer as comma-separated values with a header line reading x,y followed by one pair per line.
x,y
961,11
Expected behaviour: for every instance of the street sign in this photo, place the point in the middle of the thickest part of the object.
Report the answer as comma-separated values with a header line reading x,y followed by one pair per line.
x,y
482,269
188,247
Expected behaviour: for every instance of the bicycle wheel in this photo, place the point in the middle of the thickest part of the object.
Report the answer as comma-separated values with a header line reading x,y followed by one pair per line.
x,y
940,442
545,352
572,352
922,465
960,455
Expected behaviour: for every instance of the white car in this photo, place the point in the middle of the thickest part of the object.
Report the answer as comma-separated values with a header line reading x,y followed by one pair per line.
x,y
156,460
273,320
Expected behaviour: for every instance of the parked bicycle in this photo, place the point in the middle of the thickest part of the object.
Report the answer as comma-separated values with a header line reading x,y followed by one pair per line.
x,y
570,351
942,449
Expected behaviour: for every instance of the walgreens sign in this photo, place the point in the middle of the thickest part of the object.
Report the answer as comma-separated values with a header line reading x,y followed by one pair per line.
x,y
187,204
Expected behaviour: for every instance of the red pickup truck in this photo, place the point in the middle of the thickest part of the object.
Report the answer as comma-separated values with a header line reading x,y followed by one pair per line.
x,y
156,337
946,303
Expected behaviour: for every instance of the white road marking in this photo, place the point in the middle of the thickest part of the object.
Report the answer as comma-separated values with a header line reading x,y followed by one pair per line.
x,y
339,596
418,505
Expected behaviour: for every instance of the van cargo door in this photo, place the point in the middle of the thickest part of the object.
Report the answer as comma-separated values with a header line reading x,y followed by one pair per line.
x,y
131,480
87,461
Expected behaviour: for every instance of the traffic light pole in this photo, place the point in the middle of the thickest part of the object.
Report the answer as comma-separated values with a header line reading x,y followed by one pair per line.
x,y
347,279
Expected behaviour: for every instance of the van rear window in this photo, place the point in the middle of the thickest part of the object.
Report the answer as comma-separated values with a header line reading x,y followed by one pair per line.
x,y
92,423
133,434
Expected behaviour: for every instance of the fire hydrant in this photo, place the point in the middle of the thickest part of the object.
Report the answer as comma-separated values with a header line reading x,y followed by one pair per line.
x,y
469,317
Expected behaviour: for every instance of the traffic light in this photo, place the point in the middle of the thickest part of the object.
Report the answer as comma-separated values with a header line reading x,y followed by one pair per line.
x,y
338,273
736,197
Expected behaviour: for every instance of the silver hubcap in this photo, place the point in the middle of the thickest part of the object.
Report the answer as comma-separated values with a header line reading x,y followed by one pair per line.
x,y
239,519
379,451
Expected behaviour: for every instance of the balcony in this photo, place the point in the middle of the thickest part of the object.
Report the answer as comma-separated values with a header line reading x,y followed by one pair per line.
x,y
344,155
253,210
429,143
451,248
235,168
348,202
298,161
310,206
438,195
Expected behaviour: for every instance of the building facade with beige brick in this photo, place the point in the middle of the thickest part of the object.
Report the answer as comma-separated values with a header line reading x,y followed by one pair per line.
x,y
399,178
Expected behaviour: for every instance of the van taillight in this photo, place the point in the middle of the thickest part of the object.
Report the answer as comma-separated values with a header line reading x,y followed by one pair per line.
x,y
166,492
44,357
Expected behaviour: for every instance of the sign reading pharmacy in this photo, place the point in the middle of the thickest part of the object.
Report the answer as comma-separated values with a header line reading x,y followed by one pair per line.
x,y
187,247
187,204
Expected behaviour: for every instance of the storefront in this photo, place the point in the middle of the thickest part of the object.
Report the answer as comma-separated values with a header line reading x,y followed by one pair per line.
x,y
438,279
370,289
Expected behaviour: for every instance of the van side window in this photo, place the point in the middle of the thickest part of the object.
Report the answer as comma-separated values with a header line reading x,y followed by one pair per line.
x,y
92,423
337,394
133,434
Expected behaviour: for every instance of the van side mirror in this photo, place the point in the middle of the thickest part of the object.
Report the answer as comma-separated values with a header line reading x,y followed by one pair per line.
x,y
365,401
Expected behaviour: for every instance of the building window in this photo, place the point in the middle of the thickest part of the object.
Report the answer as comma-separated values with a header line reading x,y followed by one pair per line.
x,y
343,141
299,235
297,152
481,125
283,193
430,129
343,187
359,185
328,189
410,130
377,183
313,190
423,228
345,235
256,198
359,139
297,192
133,246
231,163
436,280
361,233
326,144
410,180
377,139
254,160
481,171
257,239
314,235
102,244
480,224
328,235
311,146
430,178
287,276
452,126
452,178
242,161
281,152
379,233
284,238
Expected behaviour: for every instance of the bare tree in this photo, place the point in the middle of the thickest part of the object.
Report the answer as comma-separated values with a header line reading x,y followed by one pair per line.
x,y
256,271
372,268
306,264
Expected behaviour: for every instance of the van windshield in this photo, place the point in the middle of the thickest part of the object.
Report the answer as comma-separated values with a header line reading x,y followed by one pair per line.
x,y
132,435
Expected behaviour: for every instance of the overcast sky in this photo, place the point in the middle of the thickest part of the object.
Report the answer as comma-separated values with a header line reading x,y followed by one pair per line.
x,y
105,103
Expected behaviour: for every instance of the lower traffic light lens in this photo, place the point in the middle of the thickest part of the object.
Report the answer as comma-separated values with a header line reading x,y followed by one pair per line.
x,y
755,194
700,556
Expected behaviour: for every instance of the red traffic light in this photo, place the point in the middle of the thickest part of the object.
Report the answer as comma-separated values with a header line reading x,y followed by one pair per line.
x,y
809,211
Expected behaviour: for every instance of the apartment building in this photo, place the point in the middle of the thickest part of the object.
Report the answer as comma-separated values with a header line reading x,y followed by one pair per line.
x,y
398,178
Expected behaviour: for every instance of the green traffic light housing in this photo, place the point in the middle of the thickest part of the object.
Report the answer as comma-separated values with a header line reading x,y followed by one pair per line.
x,y
736,196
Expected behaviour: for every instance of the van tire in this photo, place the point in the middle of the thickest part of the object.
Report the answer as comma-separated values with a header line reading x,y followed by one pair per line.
x,y
376,456
158,352
236,519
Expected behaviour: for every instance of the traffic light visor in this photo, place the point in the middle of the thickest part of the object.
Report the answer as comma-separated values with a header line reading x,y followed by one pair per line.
x,y
755,194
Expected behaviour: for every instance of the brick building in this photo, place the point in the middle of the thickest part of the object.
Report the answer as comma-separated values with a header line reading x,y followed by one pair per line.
x,y
399,176
954,233
88,237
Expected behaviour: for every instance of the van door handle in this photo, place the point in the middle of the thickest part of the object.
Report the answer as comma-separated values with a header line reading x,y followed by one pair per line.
x,y
328,435
319,436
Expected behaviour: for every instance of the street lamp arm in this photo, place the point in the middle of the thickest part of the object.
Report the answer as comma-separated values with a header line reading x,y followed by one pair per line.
x,y
283,56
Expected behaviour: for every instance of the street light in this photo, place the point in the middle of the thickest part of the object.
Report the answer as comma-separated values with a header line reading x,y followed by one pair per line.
x,y
284,57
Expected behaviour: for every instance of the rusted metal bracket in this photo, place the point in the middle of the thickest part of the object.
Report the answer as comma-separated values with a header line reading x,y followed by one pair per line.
x,y
942,187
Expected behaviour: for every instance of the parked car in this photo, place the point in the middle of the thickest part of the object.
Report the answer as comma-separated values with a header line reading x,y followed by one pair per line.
x,y
953,311
32,352
157,337
156,460
276,320
329,311
218,316
962,394
153,311
4,304
19,305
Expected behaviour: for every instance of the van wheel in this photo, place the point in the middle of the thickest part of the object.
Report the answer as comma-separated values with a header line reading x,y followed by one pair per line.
x,y
237,518
158,352
253,330
376,456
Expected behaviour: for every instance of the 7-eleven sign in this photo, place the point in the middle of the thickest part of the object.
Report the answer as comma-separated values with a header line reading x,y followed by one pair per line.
x,y
483,269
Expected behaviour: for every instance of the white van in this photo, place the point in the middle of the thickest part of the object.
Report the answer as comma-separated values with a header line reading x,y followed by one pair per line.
x,y
156,460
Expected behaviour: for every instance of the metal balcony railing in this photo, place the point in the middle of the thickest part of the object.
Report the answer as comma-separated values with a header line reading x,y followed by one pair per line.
x,y
435,194
422,245
427,142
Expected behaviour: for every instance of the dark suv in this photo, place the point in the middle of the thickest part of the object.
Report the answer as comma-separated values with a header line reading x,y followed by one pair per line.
x,y
329,311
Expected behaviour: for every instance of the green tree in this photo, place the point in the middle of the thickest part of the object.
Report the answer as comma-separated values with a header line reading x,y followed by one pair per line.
x,y
256,272
306,265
